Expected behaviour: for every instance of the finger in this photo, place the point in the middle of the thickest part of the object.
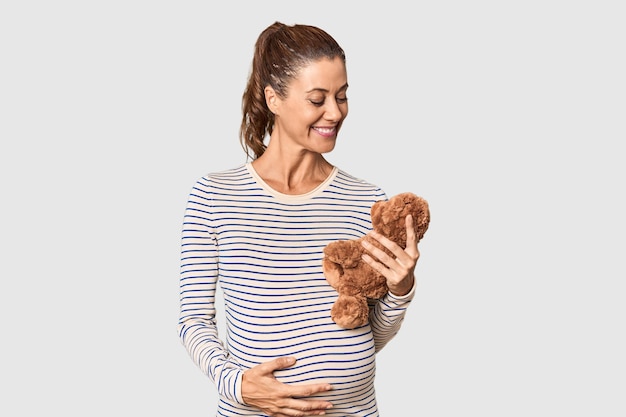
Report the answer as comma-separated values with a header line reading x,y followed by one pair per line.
x,y
401,261
406,256
389,244
411,236
309,407
377,253
308,390
276,364
298,413
296,401
383,240
392,269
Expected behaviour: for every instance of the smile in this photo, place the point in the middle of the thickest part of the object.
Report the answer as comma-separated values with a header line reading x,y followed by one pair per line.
x,y
325,131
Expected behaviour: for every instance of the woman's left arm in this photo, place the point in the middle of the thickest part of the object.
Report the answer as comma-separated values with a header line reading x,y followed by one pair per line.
x,y
399,270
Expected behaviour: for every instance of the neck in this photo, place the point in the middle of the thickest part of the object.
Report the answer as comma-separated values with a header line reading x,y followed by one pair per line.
x,y
292,175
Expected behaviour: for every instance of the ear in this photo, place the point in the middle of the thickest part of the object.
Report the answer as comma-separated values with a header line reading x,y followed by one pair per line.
x,y
271,99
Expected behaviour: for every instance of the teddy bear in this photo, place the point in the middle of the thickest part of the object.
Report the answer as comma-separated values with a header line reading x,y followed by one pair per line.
x,y
355,280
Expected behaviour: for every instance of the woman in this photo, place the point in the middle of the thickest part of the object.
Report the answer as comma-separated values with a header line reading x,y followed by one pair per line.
x,y
259,230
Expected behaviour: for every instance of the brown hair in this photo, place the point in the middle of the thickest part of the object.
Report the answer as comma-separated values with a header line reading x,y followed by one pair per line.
x,y
280,52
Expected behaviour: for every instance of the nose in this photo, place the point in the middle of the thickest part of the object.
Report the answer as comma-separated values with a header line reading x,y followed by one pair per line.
x,y
333,111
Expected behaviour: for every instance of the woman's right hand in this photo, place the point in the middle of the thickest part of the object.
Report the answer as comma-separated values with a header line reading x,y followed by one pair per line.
x,y
262,390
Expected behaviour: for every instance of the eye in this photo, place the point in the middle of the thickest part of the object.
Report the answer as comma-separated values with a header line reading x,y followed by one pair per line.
x,y
319,103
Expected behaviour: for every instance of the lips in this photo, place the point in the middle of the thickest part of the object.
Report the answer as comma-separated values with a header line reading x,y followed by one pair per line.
x,y
326,131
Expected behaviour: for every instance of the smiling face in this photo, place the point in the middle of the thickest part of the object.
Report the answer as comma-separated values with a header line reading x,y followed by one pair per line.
x,y
316,104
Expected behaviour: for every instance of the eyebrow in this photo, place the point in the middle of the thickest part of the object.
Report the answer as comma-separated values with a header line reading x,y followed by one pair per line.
x,y
345,86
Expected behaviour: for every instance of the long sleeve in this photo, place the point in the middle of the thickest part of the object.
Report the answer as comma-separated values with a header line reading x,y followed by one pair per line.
x,y
197,326
387,315
264,249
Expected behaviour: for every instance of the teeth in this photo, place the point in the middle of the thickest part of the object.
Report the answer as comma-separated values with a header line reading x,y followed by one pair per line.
x,y
325,129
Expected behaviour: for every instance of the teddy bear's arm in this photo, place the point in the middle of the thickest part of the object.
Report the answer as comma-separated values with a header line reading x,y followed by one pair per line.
x,y
346,253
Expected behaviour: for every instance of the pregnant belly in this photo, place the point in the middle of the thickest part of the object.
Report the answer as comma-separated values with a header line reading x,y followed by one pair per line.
x,y
324,354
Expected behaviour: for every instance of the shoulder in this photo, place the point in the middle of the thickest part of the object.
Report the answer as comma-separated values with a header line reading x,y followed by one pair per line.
x,y
229,175
353,185
227,178
220,181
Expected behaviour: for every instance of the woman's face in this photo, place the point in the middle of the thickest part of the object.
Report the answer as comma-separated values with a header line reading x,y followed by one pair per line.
x,y
316,105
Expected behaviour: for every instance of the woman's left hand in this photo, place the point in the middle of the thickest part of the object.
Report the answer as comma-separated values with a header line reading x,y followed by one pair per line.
x,y
399,270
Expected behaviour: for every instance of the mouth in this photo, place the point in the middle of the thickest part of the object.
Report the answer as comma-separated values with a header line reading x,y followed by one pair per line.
x,y
326,131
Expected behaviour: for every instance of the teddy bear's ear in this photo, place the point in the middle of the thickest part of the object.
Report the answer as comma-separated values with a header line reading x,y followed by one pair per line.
x,y
388,216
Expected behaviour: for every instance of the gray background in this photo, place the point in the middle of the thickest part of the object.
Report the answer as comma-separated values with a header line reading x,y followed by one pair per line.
x,y
506,116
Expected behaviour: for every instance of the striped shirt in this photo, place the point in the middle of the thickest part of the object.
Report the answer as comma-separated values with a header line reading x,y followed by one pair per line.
x,y
265,250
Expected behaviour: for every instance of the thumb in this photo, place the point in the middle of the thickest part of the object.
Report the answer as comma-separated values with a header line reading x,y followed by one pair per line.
x,y
281,363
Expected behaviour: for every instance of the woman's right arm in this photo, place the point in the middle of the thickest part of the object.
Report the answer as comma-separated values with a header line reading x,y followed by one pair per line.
x,y
197,326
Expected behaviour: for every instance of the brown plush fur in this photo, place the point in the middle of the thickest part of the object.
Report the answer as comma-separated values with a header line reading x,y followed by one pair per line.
x,y
355,280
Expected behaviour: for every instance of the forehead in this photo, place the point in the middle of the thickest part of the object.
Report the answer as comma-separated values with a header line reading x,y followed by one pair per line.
x,y
324,74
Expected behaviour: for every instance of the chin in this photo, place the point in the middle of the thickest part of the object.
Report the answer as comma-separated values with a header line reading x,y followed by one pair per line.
x,y
327,147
